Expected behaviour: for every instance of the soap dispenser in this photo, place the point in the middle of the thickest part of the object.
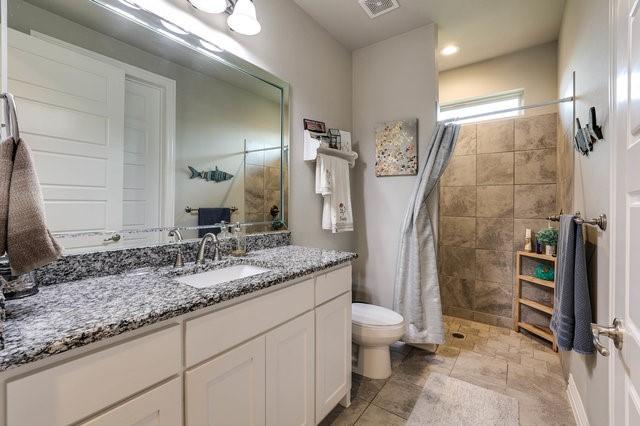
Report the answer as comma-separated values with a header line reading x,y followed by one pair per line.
x,y
240,239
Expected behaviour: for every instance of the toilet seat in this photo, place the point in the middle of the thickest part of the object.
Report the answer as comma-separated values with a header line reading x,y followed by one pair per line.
x,y
372,316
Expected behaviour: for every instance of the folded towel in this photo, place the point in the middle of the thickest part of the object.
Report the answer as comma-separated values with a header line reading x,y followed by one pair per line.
x,y
23,231
332,182
571,319
212,216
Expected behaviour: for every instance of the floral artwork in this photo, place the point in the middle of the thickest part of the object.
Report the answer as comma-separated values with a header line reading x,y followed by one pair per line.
x,y
396,148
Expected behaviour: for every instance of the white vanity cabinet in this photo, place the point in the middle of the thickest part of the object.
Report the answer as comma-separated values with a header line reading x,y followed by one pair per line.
x,y
281,358
333,353
291,373
230,389
156,407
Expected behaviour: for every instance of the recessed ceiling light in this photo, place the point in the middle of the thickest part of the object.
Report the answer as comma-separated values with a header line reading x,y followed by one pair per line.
x,y
173,27
130,4
210,6
449,50
210,46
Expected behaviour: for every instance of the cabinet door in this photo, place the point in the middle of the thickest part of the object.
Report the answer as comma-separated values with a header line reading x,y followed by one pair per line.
x,y
230,389
290,373
158,407
333,353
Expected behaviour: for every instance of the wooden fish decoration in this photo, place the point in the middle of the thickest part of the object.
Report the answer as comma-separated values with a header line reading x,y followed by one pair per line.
x,y
211,175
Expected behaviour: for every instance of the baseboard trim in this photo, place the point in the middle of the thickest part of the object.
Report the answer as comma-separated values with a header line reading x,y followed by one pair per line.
x,y
576,403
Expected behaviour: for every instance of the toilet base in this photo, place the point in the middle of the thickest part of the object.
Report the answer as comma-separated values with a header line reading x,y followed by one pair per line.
x,y
374,362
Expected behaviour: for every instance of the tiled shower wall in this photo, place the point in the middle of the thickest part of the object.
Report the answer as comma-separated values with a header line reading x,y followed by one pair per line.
x,y
500,181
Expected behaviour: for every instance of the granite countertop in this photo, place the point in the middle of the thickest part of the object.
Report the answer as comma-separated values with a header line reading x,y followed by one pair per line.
x,y
69,315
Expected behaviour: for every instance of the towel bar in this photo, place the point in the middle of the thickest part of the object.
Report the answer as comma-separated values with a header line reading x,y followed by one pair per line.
x,y
192,210
600,221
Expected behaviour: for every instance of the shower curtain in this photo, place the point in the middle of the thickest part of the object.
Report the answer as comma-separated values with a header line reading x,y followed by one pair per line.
x,y
417,291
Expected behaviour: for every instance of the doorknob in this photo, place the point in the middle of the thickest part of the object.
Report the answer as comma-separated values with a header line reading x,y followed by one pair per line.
x,y
615,332
114,238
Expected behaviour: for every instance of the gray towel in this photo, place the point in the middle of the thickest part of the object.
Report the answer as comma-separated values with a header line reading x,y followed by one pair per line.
x,y
571,320
212,216
23,230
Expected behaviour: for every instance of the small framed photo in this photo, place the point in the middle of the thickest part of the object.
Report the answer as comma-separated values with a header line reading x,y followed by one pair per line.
x,y
315,126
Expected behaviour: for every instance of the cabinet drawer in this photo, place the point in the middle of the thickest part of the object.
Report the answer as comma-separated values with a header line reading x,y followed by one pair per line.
x,y
211,334
79,388
332,284
160,407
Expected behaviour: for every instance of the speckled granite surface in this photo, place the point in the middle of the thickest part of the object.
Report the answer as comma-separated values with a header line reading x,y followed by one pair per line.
x,y
103,263
74,314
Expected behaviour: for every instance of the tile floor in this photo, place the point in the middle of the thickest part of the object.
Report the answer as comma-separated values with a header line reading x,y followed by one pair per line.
x,y
494,358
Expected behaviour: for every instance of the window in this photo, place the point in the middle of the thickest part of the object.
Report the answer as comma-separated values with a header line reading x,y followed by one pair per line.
x,y
466,108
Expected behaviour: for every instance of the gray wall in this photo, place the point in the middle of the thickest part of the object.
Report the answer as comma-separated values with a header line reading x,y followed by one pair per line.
x,y
393,79
297,49
584,31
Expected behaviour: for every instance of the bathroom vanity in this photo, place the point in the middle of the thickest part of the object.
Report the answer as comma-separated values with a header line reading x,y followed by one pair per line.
x,y
272,348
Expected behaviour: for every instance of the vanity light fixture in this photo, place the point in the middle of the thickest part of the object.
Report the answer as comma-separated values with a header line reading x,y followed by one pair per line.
x,y
243,20
242,13
210,6
173,27
449,50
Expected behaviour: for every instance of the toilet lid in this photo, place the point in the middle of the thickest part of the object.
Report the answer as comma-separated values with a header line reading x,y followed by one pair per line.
x,y
372,315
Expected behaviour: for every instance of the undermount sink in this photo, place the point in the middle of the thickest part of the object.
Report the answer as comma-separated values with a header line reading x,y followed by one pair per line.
x,y
219,276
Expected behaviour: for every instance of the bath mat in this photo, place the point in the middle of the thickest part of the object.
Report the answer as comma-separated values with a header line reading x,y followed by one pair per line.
x,y
446,401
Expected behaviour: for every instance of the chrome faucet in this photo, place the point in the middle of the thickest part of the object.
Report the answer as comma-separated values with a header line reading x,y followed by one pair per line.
x,y
203,243
179,262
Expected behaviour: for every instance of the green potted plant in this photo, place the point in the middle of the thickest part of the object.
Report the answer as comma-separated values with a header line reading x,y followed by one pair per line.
x,y
548,237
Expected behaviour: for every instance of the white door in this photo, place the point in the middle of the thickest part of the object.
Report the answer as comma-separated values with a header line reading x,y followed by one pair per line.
x,y
230,389
71,113
157,407
141,191
333,353
290,373
625,257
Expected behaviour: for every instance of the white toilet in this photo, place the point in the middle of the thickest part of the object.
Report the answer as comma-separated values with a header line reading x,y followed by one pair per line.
x,y
374,328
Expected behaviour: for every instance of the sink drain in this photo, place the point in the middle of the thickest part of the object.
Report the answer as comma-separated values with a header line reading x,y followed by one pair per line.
x,y
458,335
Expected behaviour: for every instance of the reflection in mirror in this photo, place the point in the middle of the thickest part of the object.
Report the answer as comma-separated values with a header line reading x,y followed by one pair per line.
x,y
131,129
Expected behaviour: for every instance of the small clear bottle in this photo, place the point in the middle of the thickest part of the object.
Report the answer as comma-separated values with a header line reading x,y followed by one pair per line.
x,y
240,238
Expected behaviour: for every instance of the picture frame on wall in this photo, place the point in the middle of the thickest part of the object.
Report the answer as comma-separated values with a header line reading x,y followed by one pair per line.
x,y
397,148
315,126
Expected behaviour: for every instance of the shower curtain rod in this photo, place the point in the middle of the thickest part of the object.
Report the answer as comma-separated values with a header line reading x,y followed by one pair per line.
x,y
503,111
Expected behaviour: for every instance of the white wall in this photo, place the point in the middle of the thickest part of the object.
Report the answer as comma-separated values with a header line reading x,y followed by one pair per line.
x,y
298,50
534,69
583,48
393,79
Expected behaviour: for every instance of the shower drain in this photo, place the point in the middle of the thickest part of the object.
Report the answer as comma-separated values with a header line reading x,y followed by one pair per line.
x,y
458,335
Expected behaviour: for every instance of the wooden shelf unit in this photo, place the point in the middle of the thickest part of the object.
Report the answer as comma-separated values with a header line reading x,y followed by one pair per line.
x,y
543,332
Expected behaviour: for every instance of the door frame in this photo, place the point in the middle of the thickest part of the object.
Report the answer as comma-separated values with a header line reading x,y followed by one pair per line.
x,y
167,88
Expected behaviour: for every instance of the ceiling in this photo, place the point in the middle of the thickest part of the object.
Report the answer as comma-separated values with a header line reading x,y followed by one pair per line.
x,y
482,29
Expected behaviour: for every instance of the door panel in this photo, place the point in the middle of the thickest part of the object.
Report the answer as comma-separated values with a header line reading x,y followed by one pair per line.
x,y
333,353
230,389
624,398
71,110
290,373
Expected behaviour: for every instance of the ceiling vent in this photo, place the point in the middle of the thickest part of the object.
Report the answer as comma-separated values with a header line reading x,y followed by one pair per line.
x,y
375,8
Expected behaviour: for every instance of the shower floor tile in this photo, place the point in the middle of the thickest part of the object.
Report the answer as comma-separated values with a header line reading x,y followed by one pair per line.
x,y
495,358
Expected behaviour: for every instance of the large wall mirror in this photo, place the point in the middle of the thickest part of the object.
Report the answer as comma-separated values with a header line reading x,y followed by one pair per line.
x,y
138,126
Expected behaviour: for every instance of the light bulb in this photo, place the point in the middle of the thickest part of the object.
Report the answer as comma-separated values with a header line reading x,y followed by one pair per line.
x,y
243,19
210,6
449,50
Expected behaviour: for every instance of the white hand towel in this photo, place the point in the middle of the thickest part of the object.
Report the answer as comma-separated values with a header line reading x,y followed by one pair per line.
x,y
332,182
